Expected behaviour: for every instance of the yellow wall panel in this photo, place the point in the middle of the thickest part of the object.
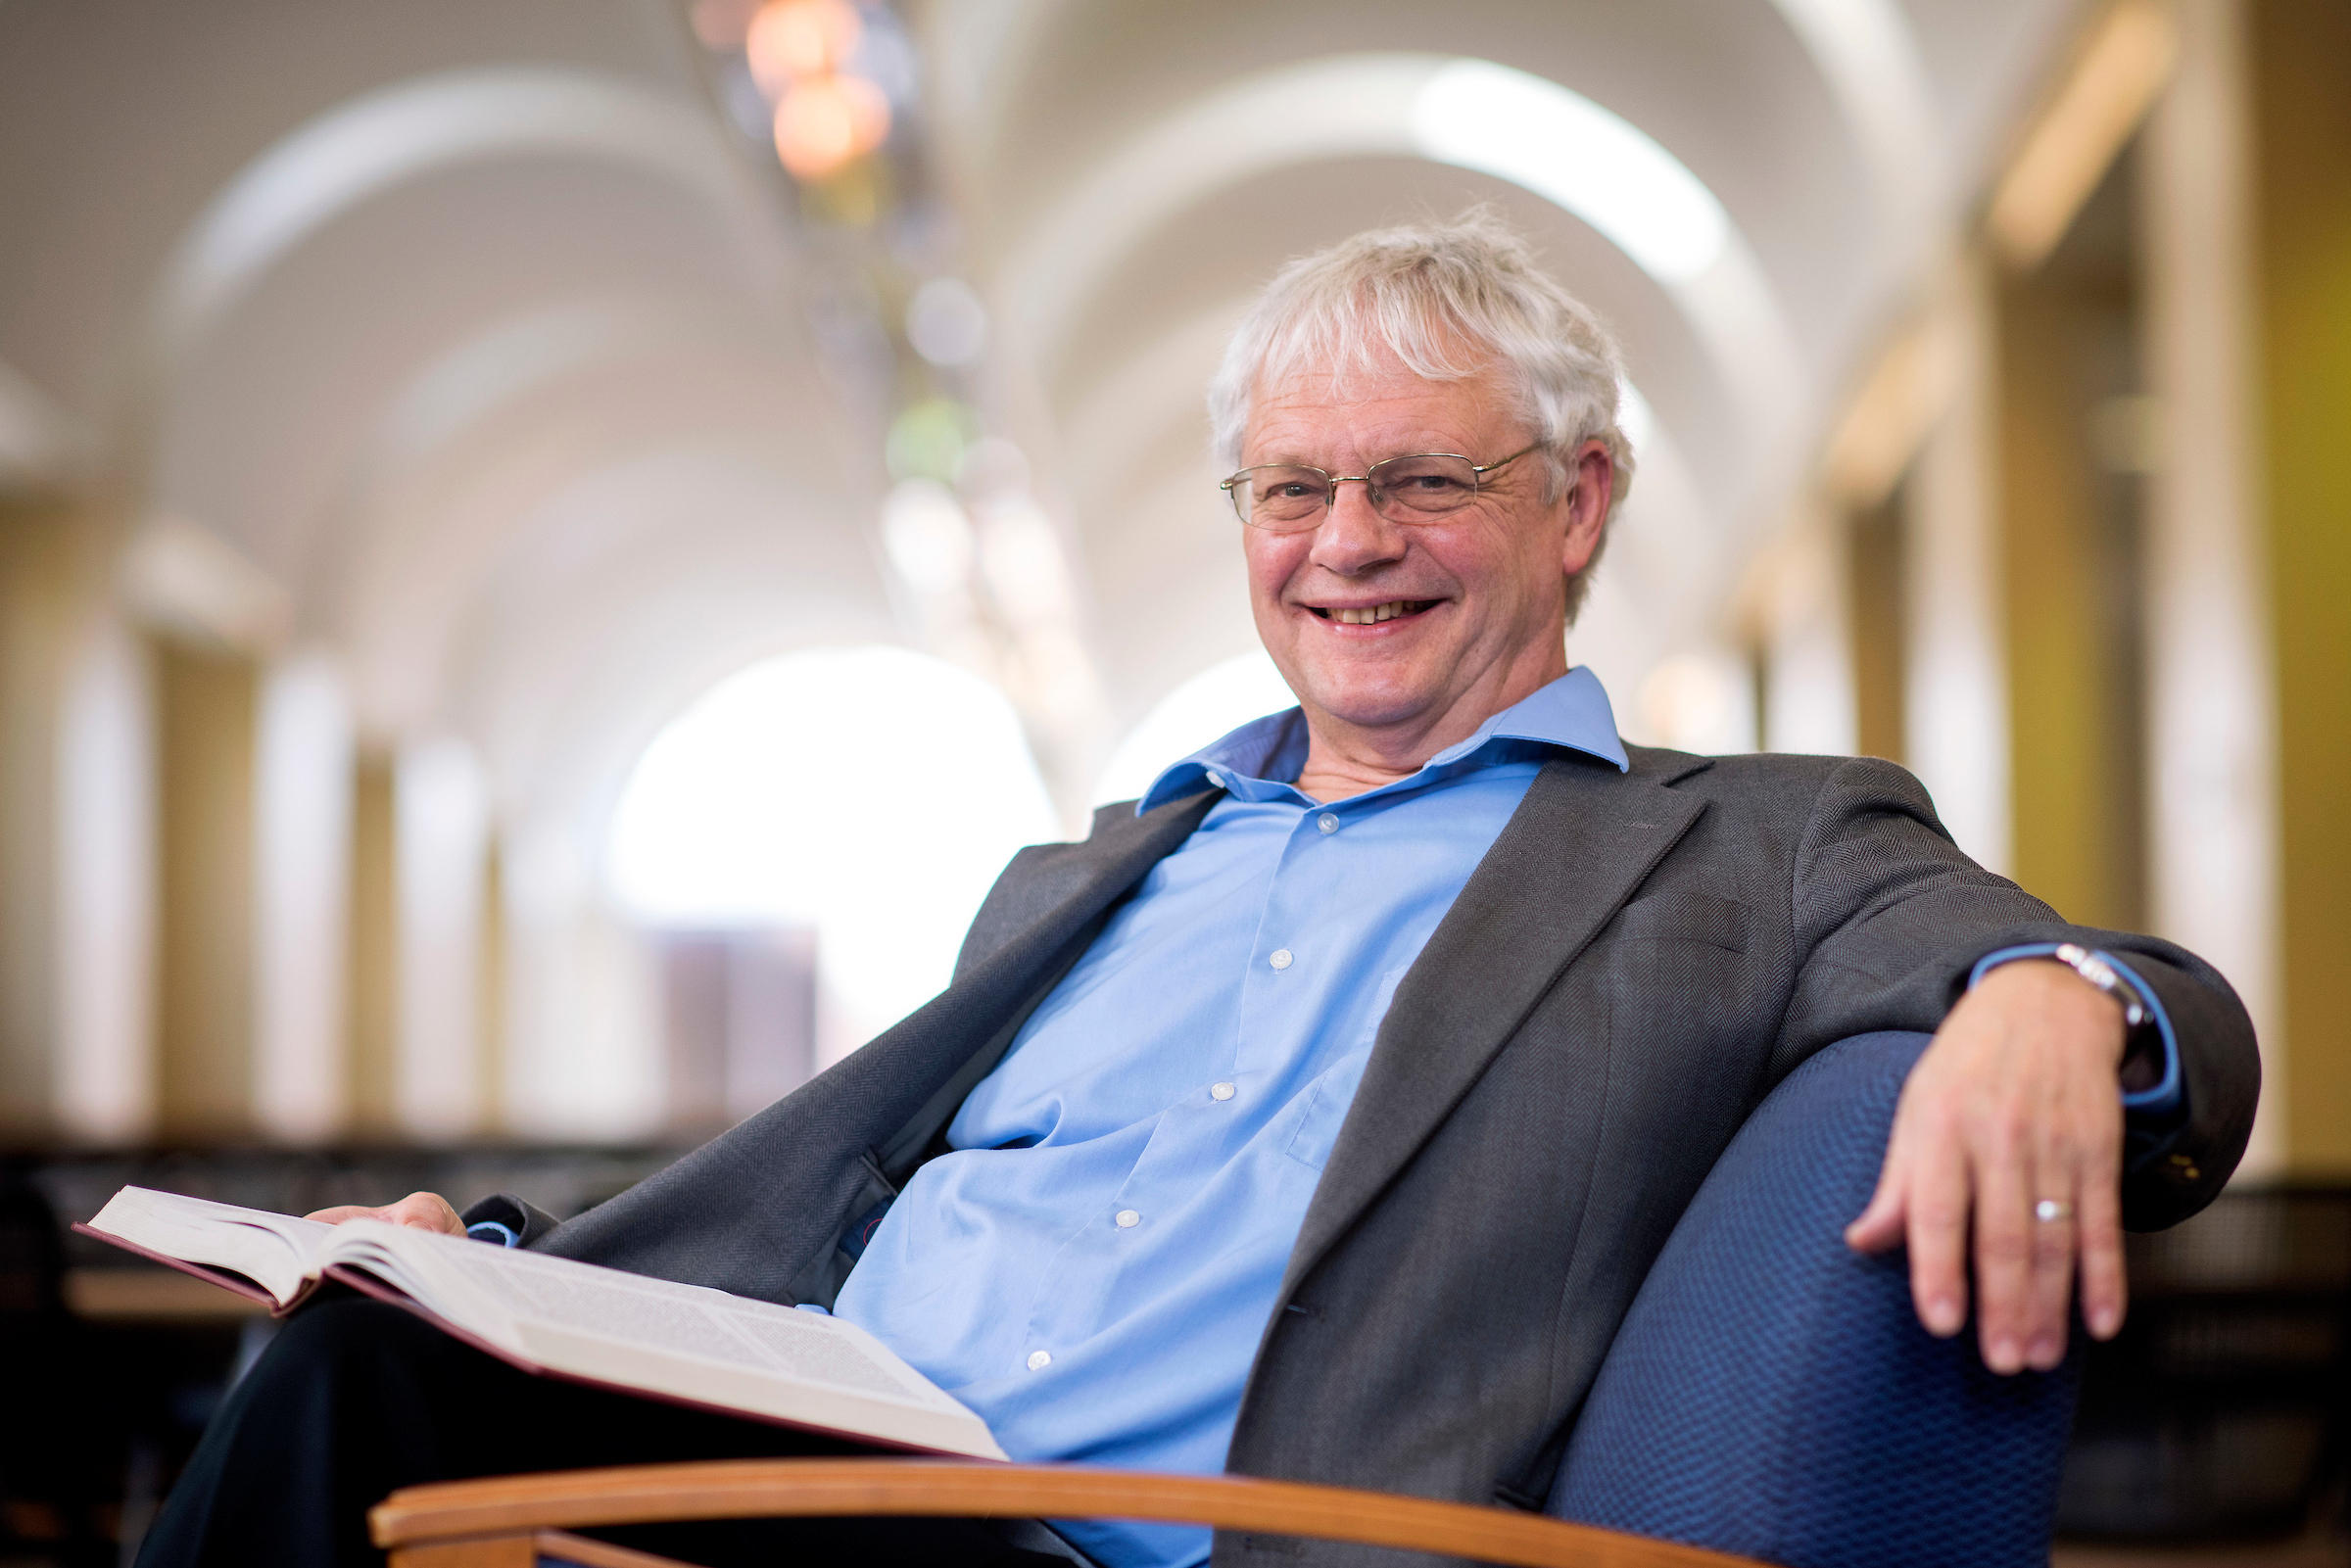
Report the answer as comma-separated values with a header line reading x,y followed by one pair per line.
x,y
373,992
207,706
2056,681
2302,107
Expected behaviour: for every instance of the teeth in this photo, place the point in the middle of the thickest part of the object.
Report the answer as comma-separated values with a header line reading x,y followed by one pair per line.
x,y
1373,614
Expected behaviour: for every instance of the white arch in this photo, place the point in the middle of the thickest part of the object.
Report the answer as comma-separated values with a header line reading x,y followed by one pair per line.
x,y
1505,122
516,355
401,133
1868,58
1866,53
1471,114
1341,107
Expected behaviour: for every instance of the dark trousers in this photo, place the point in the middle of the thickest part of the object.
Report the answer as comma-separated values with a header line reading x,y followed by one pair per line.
x,y
354,1397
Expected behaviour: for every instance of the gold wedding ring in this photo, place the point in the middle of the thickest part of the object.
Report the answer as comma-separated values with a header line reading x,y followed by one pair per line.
x,y
2049,1210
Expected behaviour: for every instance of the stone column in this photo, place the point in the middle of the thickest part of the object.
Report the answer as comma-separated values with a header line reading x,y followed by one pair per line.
x,y
441,815
302,809
106,888
1955,677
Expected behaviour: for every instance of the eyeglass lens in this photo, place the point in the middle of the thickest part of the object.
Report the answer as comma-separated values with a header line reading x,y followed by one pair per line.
x,y
1417,489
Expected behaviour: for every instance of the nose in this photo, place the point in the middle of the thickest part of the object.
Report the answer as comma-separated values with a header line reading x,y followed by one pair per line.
x,y
1354,537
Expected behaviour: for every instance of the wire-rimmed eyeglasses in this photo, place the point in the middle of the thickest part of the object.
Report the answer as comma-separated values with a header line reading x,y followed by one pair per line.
x,y
1422,487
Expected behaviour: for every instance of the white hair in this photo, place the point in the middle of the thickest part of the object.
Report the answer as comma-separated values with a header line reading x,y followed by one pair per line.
x,y
1448,301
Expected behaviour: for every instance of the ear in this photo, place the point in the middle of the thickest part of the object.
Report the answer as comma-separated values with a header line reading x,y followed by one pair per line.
x,y
1591,487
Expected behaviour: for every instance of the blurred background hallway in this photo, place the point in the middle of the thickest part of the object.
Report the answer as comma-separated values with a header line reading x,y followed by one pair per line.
x,y
478,480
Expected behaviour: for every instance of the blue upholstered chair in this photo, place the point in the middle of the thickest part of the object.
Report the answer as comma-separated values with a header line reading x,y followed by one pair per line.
x,y
1769,1396
1771,1393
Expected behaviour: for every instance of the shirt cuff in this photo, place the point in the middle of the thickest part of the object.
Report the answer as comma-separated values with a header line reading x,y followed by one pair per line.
x,y
2160,1103
493,1233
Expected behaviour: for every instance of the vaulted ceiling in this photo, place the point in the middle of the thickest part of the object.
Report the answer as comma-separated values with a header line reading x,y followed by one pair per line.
x,y
481,337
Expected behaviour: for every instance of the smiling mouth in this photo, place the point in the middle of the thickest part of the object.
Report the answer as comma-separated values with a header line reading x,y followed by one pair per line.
x,y
1373,614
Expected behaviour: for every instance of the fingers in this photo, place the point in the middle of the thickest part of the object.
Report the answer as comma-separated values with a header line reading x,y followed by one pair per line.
x,y
2098,1210
1937,1229
1879,1227
1922,1199
420,1210
2049,1297
2011,1128
2027,1322
2004,1246
2074,1229
429,1210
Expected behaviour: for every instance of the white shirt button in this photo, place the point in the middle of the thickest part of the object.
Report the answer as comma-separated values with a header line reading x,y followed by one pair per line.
x,y
1039,1361
1219,1091
1280,959
1327,823
1127,1219
1217,779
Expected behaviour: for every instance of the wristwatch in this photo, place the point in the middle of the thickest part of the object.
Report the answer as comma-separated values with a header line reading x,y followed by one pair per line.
x,y
2142,1064
2094,969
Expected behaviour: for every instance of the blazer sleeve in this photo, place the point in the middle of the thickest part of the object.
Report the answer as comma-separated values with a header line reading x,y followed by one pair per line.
x,y
1890,918
526,1222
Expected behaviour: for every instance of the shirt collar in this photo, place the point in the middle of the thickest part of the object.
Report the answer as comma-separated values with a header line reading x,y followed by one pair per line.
x,y
1570,714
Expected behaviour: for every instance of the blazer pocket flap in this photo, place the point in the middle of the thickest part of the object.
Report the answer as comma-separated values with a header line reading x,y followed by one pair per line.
x,y
1687,918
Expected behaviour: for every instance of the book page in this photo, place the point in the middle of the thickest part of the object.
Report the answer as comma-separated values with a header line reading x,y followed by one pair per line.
x,y
276,1252
684,1341
551,1314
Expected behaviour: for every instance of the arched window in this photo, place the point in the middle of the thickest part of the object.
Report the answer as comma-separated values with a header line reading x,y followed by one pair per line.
x,y
870,795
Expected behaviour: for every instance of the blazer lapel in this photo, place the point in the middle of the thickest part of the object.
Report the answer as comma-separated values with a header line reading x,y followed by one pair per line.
x,y
1064,890
713,1217
1584,838
1056,907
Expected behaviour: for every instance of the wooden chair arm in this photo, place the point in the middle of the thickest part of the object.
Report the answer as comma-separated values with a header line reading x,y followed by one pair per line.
x,y
493,1521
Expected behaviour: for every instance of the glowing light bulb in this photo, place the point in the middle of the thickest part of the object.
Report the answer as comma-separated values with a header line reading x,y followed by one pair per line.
x,y
791,40
823,124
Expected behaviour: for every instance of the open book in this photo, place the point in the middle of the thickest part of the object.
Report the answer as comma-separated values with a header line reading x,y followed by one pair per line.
x,y
682,1342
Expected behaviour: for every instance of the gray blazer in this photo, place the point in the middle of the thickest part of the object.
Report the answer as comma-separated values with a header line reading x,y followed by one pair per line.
x,y
1633,966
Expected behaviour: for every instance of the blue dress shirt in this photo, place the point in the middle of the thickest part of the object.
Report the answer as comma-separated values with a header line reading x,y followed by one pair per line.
x,y
1090,1265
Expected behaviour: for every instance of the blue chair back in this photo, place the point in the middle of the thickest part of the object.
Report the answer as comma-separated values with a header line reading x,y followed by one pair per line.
x,y
1772,1394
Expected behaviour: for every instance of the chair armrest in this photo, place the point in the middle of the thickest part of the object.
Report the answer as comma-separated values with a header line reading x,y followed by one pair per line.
x,y
451,1511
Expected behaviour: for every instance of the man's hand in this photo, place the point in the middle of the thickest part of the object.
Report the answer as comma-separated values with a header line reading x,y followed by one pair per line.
x,y
2015,1105
423,1210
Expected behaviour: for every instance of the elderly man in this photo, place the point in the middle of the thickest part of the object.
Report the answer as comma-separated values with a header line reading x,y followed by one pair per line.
x,y
1320,1114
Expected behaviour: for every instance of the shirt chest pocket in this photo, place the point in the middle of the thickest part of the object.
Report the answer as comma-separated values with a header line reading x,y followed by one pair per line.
x,y
1329,1096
